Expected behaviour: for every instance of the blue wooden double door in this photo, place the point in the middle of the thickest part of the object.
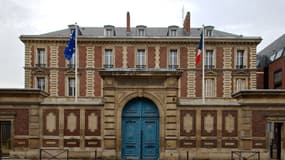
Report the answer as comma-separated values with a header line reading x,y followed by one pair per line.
x,y
140,130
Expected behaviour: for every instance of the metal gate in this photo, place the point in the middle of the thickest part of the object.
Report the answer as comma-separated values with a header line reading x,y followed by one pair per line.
x,y
140,130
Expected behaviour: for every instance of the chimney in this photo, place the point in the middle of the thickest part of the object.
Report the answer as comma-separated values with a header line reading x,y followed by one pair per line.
x,y
186,24
128,30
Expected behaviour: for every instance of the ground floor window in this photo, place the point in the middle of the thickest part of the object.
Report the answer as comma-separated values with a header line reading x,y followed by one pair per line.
x,y
5,136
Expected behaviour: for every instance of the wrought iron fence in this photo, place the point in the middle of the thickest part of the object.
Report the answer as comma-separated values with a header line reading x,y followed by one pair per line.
x,y
48,154
245,155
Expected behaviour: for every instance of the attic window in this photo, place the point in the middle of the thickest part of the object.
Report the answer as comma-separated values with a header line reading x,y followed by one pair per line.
x,y
172,31
109,31
209,31
141,31
279,54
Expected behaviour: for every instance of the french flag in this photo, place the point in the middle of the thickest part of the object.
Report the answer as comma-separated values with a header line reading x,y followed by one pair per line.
x,y
200,48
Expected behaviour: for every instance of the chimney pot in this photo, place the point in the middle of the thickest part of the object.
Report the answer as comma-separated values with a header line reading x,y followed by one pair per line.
x,y
128,29
186,24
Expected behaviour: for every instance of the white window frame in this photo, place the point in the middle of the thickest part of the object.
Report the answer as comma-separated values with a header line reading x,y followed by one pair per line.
x,y
173,32
71,63
173,58
240,84
141,32
240,63
71,86
210,60
109,32
41,57
41,83
141,58
210,87
108,58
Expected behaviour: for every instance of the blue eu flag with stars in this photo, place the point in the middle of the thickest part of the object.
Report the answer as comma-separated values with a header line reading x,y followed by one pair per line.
x,y
70,48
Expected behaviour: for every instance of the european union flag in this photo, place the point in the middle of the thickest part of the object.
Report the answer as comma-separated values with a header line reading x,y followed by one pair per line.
x,y
70,48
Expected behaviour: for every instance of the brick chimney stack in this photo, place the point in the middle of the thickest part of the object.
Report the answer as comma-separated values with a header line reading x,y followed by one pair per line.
x,y
186,24
128,29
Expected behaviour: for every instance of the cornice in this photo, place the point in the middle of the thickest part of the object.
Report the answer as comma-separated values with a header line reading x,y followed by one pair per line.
x,y
148,40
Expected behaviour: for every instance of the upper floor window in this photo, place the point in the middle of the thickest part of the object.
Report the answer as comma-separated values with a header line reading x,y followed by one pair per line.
x,y
277,78
240,84
71,62
109,30
279,53
173,58
108,58
209,31
240,59
41,83
71,87
172,31
210,87
140,58
141,30
41,57
209,59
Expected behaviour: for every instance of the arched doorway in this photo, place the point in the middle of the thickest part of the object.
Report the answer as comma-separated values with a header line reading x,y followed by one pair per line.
x,y
140,130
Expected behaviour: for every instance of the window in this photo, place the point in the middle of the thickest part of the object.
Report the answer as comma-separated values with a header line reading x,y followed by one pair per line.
x,y
278,78
272,57
173,59
71,87
140,58
108,58
41,83
279,54
209,33
209,59
41,57
210,90
6,138
108,32
240,84
71,62
240,59
172,33
141,32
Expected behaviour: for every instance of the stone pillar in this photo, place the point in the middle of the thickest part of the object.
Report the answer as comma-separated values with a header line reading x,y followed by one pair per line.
x,y
171,126
28,62
245,128
109,120
34,132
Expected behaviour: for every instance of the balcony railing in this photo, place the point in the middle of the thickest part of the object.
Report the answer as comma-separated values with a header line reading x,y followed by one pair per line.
x,y
171,66
71,65
240,66
41,65
209,66
140,66
108,66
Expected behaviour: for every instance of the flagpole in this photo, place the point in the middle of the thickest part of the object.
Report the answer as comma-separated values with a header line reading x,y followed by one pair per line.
x,y
203,65
76,58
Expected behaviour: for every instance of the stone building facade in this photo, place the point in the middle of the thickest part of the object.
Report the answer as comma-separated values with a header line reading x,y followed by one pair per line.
x,y
139,95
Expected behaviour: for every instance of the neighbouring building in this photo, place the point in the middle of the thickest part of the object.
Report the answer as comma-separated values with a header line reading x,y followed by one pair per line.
x,y
139,96
271,63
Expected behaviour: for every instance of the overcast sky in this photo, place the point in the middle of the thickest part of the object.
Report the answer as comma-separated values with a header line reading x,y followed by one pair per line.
x,y
262,18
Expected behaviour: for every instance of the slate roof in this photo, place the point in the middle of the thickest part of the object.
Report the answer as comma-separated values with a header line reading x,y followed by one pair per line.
x,y
274,46
268,54
120,32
